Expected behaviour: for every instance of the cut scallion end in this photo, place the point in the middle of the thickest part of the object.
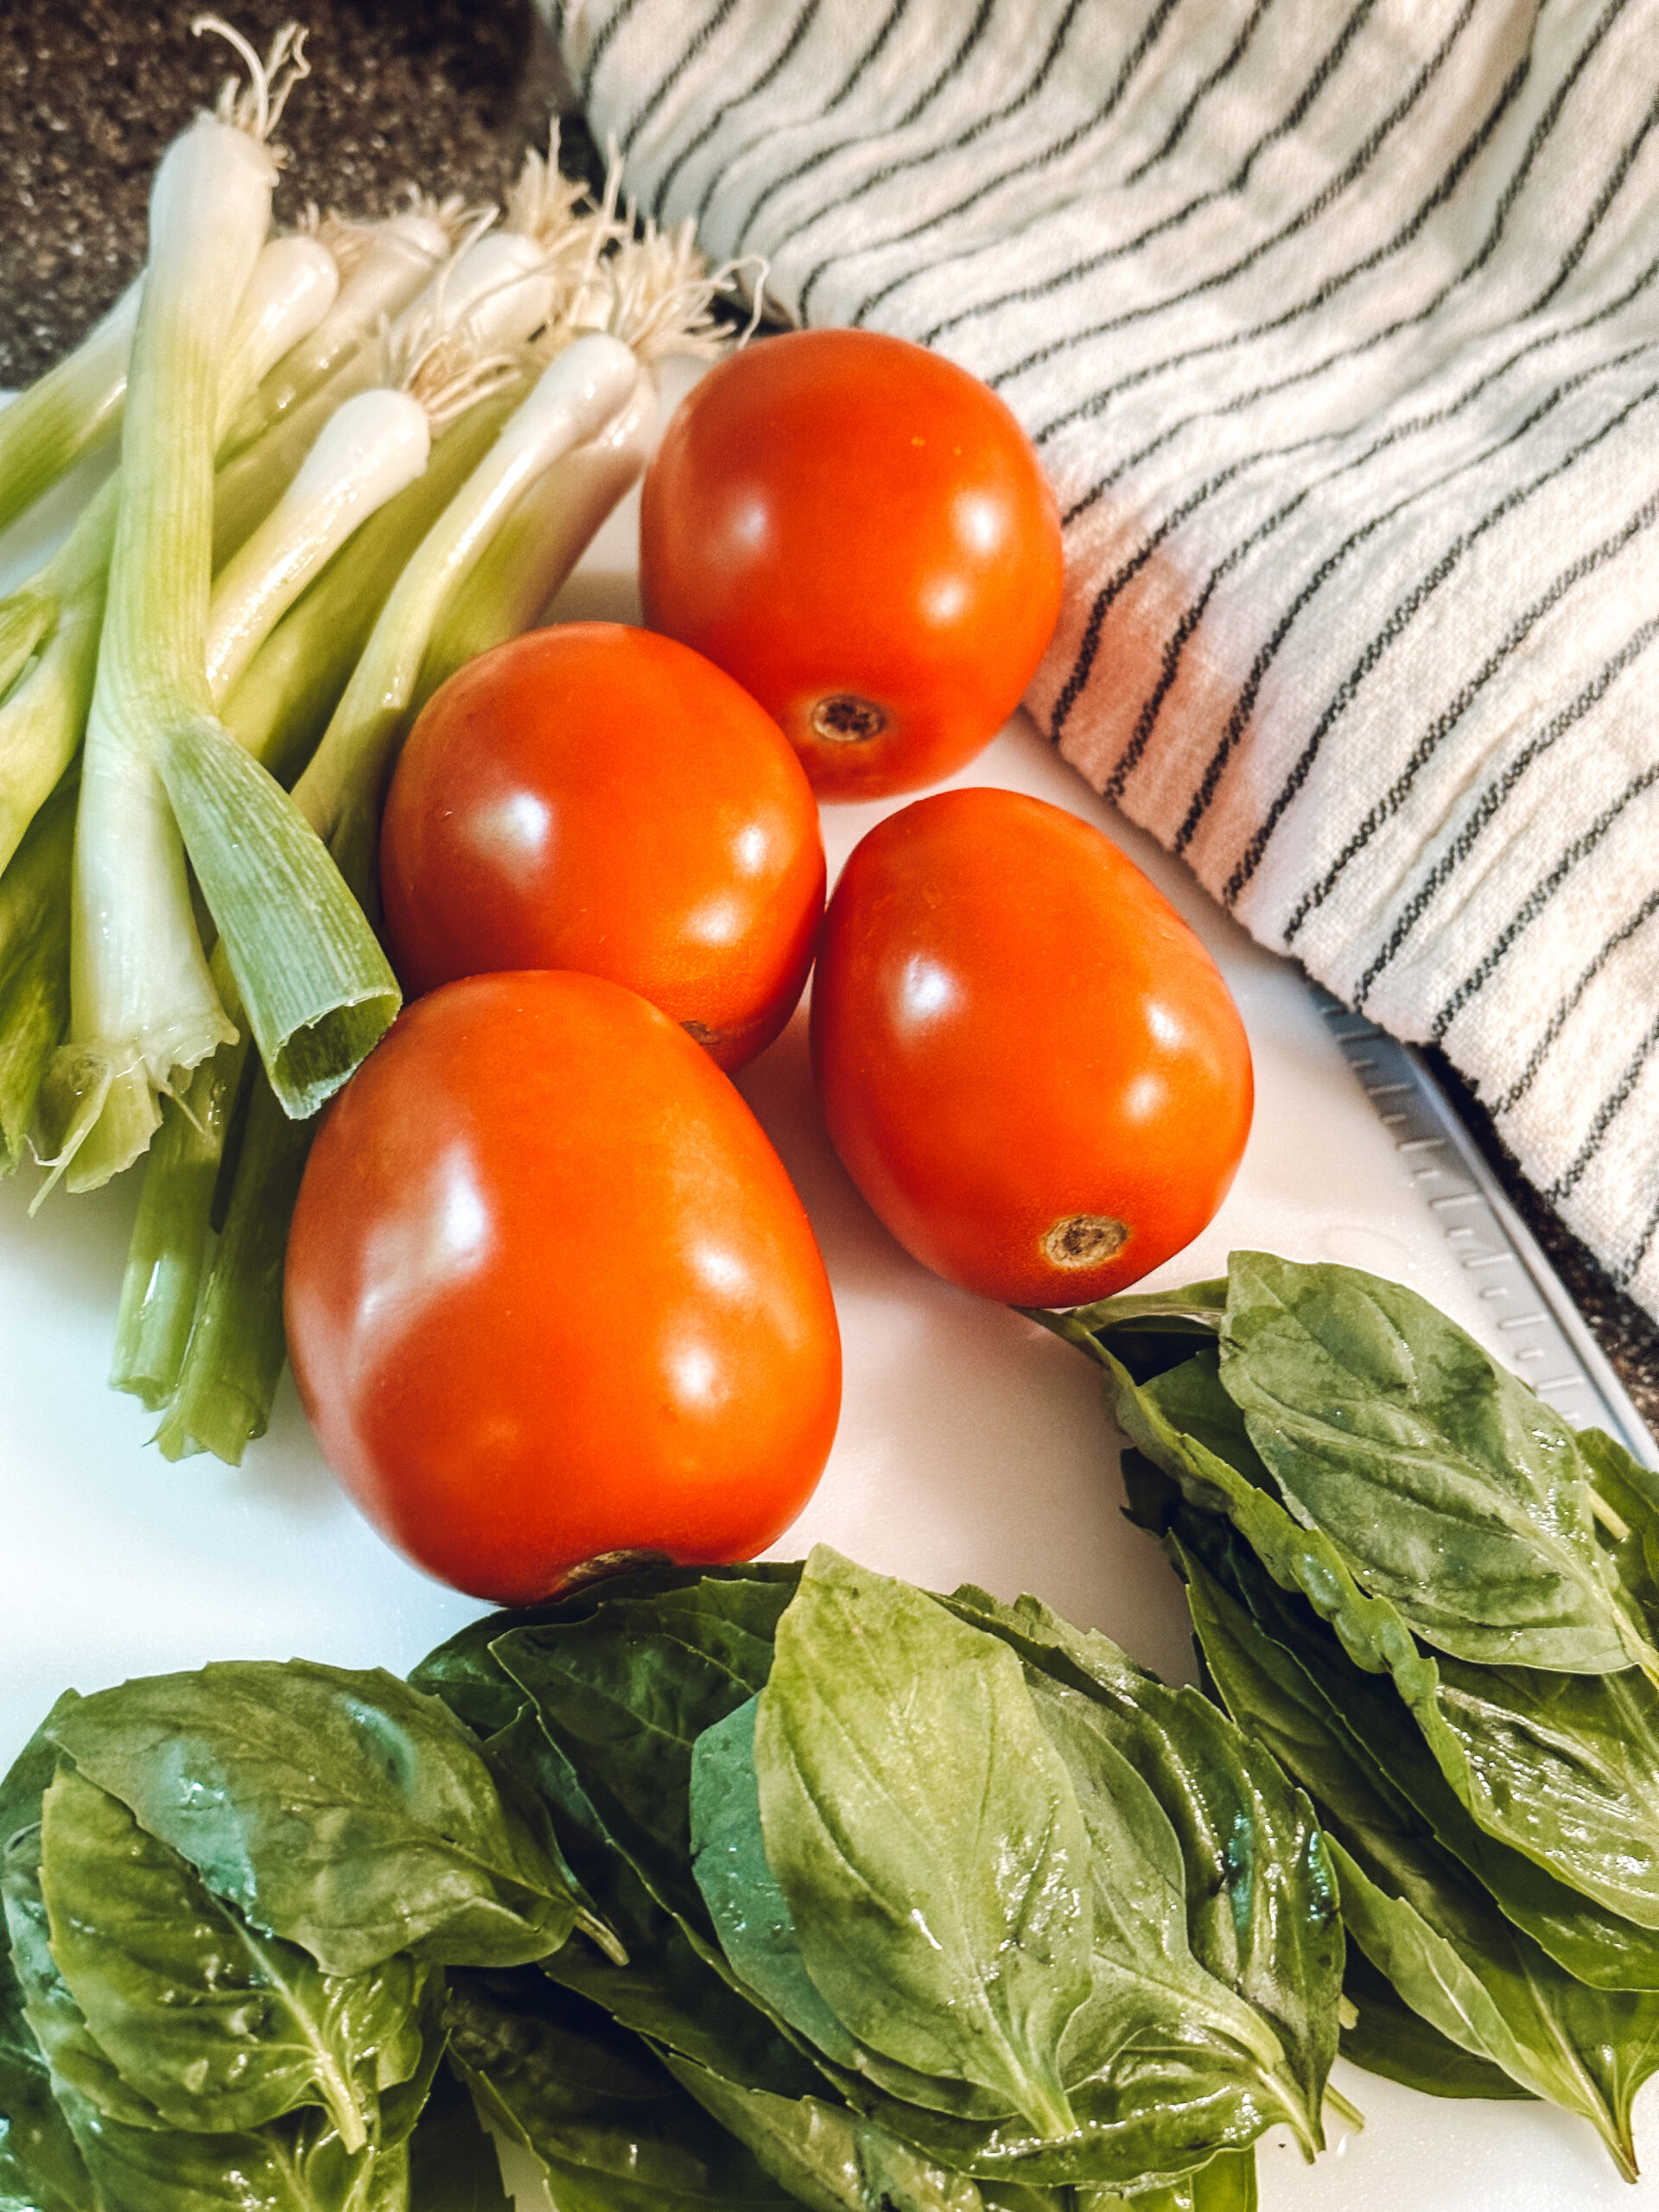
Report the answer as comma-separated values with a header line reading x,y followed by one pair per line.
x,y
318,990
168,1248
236,1347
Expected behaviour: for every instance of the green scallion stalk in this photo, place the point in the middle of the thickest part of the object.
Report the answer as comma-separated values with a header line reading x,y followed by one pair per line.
x,y
56,619
278,711
370,449
34,967
587,382
281,706
542,540
384,266
234,1360
168,1247
74,409
160,775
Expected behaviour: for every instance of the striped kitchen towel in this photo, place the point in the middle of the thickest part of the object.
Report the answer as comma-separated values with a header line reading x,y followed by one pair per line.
x,y
1336,323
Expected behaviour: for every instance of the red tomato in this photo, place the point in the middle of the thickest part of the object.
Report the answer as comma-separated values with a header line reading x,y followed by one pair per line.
x,y
1027,1061
859,531
596,797
551,1295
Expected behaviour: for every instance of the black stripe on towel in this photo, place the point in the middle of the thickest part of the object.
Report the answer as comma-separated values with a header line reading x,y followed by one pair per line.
x,y
1405,611
1537,899
1491,799
1558,1021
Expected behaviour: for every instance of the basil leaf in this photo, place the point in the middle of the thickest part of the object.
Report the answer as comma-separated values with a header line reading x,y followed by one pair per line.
x,y
757,1929
453,2165
1435,1935
40,2167
77,2060
746,1903
666,1986
625,1711
342,1811
1147,1330
1563,1768
217,2027
612,2129
832,2159
926,1836
1631,1491
1379,1733
294,2165
1149,1990
1388,2038
1448,1486
1262,1911
1588,2052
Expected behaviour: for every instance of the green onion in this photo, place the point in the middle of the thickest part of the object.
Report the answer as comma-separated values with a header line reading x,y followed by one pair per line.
x,y
34,966
71,410
316,987
587,382
234,1361
384,267
369,450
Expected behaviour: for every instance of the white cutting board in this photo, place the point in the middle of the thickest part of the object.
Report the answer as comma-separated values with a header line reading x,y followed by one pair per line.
x,y
972,1447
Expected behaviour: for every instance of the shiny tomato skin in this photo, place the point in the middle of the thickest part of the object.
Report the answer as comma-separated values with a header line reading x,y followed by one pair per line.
x,y
596,797
838,516
1028,1062
551,1295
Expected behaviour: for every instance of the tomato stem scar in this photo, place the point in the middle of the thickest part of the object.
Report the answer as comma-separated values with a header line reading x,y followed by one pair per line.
x,y
1082,1240
845,719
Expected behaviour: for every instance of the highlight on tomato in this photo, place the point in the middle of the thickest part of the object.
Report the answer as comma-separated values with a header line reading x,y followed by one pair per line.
x,y
1029,1064
861,533
596,797
551,1299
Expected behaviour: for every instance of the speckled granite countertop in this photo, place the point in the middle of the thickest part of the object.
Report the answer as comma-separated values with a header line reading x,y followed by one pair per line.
x,y
444,91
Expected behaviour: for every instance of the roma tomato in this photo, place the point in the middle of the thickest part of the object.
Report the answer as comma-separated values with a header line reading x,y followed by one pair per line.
x,y
861,533
551,1297
1028,1062
595,797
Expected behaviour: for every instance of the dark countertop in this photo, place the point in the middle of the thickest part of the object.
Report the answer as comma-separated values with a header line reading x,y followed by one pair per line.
x,y
441,92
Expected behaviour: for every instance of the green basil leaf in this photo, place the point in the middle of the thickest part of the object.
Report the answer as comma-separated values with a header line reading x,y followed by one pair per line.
x,y
1262,1911
1159,2111
1147,1330
1540,2035
756,1929
1565,1769
1388,2038
294,2165
625,1711
611,2127
453,2165
926,1836
1226,2184
1149,1990
666,1986
830,2159
77,2060
1448,1487
1380,1734
1422,1921
746,1903
1629,1492
216,2026
40,2167
342,1811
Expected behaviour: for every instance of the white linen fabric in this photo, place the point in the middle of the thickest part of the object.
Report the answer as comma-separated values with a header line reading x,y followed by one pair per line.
x,y
1336,324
